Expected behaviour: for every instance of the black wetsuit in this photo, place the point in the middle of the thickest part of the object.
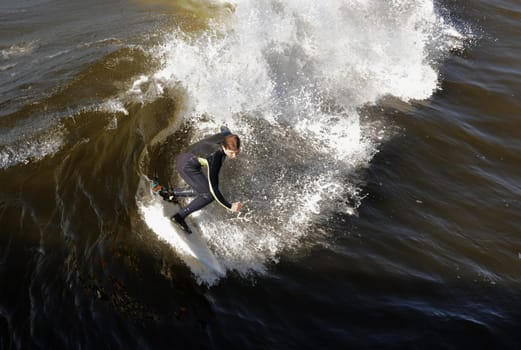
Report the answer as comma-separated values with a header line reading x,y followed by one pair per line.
x,y
208,151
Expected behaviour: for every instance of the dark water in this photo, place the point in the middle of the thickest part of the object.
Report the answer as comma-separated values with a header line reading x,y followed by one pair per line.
x,y
380,172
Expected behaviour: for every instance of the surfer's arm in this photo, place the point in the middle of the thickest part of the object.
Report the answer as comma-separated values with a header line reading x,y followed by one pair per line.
x,y
213,170
213,182
234,207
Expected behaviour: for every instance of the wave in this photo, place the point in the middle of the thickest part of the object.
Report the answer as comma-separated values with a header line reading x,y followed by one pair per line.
x,y
290,78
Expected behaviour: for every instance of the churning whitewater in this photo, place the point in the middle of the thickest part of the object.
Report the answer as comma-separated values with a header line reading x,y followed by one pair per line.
x,y
291,78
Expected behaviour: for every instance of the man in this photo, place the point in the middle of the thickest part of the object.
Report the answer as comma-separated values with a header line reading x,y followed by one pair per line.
x,y
210,154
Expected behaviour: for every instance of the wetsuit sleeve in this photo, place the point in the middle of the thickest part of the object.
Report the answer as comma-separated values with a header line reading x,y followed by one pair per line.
x,y
213,170
213,167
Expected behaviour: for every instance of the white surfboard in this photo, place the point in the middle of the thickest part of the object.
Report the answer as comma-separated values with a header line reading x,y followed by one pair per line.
x,y
191,248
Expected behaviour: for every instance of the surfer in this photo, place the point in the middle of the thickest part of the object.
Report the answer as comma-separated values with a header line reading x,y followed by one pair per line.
x,y
209,153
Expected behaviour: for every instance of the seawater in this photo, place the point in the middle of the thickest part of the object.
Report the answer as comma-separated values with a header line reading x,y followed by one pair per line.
x,y
379,173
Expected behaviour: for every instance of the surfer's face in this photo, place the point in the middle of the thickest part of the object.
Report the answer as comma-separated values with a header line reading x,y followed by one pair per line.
x,y
231,154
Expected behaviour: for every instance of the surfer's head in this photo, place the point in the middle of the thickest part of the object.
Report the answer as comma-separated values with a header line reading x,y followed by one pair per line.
x,y
232,146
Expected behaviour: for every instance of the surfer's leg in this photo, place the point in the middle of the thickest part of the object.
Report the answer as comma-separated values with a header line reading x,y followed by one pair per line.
x,y
199,202
184,192
199,182
190,170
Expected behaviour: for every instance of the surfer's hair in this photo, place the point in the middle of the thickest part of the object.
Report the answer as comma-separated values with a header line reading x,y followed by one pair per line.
x,y
232,143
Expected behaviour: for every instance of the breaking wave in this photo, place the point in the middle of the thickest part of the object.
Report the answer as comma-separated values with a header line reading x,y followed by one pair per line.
x,y
290,78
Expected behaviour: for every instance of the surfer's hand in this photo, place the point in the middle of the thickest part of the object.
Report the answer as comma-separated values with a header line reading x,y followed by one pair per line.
x,y
237,206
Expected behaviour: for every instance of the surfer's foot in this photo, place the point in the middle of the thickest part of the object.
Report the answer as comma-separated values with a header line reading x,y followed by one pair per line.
x,y
168,196
181,222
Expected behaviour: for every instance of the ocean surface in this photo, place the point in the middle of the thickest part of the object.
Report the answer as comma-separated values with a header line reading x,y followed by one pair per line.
x,y
380,171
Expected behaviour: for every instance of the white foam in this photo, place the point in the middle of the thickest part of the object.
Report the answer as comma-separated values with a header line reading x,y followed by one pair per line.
x,y
354,52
